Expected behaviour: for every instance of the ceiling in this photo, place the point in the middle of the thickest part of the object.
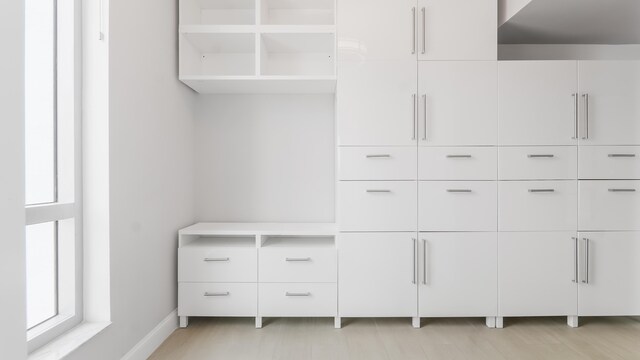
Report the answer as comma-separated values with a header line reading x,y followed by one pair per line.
x,y
574,22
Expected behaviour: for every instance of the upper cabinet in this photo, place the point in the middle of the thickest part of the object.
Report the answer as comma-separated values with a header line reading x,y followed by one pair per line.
x,y
537,103
609,102
457,29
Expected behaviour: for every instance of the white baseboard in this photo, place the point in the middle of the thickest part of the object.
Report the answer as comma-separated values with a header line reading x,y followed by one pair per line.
x,y
143,349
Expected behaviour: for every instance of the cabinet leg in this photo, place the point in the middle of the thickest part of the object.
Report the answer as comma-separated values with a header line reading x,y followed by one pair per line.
x,y
258,322
184,321
499,322
491,322
337,322
415,322
572,321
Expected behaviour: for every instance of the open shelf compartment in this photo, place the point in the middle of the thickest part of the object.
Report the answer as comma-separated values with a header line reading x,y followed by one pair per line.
x,y
225,241
297,12
297,54
299,241
217,12
217,54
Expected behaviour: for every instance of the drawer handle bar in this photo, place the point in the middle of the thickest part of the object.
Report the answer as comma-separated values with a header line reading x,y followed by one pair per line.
x,y
535,156
209,294
378,156
622,190
216,259
622,155
298,259
378,191
542,190
459,190
297,294
458,156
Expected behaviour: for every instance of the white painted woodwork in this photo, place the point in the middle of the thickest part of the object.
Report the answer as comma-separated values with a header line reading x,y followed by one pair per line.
x,y
611,288
204,262
457,29
538,163
458,274
377,205
609,205
375,103
537,205
217,299
458,103
457,163
457,205
302,263
377,275
297,299
536,273
613,106
377,163
536,103
609,162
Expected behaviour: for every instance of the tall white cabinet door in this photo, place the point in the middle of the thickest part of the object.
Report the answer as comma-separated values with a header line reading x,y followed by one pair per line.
x,y
376,103
537,102
610,102
536,274
458,274
377,275
609,273
457,30
458,103
377,30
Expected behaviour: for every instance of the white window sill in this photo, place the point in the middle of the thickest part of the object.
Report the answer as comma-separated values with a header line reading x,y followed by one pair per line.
x,y
69,341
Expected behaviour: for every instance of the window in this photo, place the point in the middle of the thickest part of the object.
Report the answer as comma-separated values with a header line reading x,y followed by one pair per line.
x,y
52,169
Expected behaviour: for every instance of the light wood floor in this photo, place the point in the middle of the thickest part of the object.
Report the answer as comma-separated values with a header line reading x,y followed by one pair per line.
x,y
371,339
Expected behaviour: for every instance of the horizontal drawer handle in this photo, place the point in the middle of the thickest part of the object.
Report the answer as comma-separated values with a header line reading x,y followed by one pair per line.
x,y
297,294
535,156
378,156
216,259
459,190
622,155
622,190
378,191
542,190
208,294
458,156
298,259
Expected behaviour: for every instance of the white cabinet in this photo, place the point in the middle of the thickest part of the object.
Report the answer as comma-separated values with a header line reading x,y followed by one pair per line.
x,y
377,275
376,103
609,205
377,163
537,274
298,299
218,259
609,162
458,103
458,274
538,163
457,163
610,109
217,299
457,29
609,273
537,103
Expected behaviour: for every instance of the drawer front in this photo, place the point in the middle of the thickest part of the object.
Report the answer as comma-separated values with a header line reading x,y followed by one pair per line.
x,y
215,299
301,299
457,205
377,163
457,163
217,264
377,206
609,162
537,205
537,163
609,205
298,264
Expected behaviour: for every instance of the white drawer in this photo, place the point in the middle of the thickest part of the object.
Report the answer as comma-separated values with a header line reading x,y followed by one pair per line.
x,y
377,206
299,264
537,163
609,162
217,264
457,163
300,299
537,205
457,205
377,163
215,299
609,205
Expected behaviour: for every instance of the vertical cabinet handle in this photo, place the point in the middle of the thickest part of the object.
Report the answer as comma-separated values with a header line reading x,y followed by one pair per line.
x,y
424,119
415,118
425,255
586,116
414,260
100,27
575,116
585,280
413,37
424,30
575,259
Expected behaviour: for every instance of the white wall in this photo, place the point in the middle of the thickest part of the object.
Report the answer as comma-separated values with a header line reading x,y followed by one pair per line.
x,y
12,266
151,132
265,158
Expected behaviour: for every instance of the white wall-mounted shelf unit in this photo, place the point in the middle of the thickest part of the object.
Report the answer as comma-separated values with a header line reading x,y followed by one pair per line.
x,y
258,46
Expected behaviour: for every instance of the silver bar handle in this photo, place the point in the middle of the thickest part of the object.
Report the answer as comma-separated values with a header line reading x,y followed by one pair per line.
x,y
536,156
542,190
575,116
209,294
459,190
415,120
297,259
216,259
424,118
622,190
378,191
413,38
586,116
414,260
297,294
458,156
378,156
425,255
575,259
586,261
622,155
424,30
